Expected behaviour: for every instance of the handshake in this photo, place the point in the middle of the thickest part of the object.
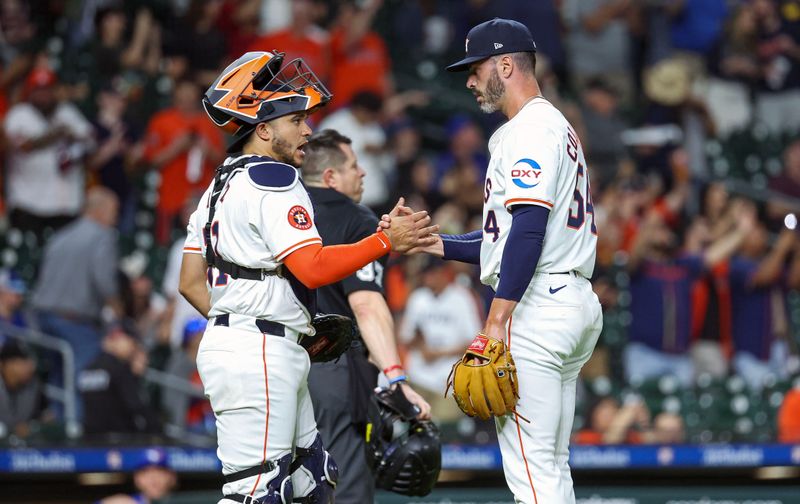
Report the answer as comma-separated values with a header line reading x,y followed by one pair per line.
x,y
408,231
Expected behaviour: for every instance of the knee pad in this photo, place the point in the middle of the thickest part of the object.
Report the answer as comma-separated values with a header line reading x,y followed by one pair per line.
x,y
279,488
314,474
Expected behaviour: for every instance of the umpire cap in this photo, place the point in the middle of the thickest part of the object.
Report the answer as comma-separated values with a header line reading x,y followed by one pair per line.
x,y
490,38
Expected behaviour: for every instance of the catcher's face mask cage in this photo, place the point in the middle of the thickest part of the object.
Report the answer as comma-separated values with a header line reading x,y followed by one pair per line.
x,y
404,453
257,87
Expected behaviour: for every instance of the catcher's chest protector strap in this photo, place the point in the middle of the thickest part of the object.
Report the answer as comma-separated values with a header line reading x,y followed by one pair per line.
x,y
222,176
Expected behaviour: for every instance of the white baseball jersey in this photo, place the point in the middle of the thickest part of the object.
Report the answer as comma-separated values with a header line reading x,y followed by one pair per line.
x,y
49,180
263,214
537,159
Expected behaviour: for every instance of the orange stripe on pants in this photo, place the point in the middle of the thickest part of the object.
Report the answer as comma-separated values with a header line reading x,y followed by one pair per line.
x,y
519,430
266,423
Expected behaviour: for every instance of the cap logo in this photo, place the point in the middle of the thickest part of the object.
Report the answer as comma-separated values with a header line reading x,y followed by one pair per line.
x,y
497,45
466,46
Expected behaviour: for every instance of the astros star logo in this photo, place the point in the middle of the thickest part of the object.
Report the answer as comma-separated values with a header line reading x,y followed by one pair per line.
x,y
299,218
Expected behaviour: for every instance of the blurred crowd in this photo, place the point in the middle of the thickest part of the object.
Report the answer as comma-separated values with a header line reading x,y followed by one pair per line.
x,y
689,114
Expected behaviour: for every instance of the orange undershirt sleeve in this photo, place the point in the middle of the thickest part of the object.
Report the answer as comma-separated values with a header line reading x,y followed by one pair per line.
x,y
315,265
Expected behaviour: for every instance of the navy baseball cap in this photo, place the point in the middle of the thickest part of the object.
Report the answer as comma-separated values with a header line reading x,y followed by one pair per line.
x,y
498,36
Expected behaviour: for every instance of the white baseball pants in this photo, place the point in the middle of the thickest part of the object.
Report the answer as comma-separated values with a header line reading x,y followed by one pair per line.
x,y
551,335
258,387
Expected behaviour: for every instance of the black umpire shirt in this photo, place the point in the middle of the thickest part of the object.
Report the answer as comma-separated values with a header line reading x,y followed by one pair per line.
x,y
339,220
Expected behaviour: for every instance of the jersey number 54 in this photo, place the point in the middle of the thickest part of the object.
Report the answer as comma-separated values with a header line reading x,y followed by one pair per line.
x,y
581,202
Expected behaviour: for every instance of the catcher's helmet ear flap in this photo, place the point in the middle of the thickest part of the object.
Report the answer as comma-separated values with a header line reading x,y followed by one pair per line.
x,y
405,454
256,88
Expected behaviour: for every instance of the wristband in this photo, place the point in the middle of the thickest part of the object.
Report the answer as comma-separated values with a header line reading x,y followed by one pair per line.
x,y
392,368
398,379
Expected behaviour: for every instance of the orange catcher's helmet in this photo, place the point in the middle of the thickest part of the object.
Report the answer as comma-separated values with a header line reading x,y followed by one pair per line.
x,y
256,88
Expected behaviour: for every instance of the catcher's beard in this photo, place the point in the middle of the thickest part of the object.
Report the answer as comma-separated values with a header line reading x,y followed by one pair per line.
x,y
282,150
495,89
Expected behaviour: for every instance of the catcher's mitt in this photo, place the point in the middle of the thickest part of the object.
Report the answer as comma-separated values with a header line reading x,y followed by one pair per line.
x,y
486,388
335,334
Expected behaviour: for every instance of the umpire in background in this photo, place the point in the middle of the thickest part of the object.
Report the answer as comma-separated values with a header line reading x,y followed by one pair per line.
x,y
334,182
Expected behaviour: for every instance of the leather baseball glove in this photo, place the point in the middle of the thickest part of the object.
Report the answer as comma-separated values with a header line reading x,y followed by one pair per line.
x,y
488,387
335,334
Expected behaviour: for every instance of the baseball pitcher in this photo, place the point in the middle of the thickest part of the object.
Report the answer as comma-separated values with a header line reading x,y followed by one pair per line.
x,y
537,251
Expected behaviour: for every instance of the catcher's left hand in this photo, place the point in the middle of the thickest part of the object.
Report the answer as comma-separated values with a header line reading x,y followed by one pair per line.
x,y
484,380
335,334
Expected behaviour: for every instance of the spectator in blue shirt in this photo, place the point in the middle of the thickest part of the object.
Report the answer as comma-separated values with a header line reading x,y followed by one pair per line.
x,y
759,315
661,278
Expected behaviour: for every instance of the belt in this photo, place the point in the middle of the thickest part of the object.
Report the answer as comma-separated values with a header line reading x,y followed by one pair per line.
x,y
573,273
264,326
